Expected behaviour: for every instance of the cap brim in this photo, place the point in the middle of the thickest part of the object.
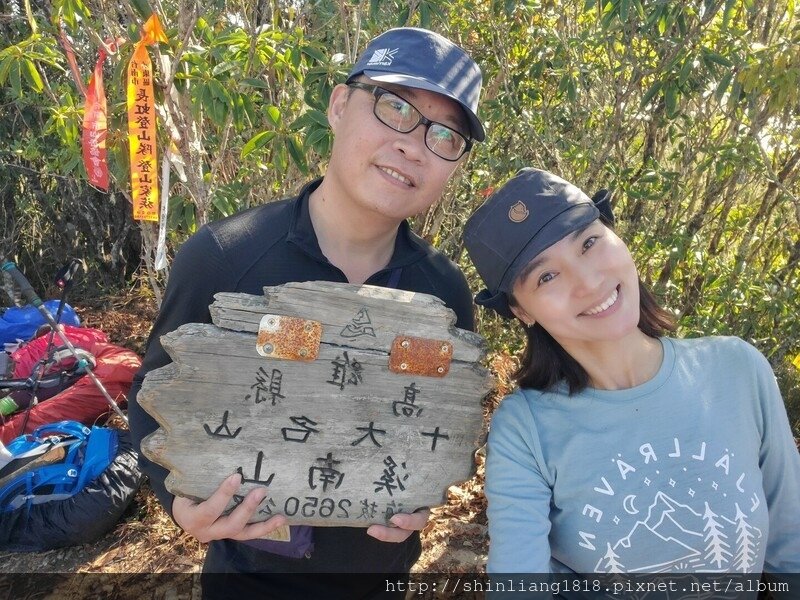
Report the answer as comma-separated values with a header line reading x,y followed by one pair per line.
x,y
565,223
476,127
498,302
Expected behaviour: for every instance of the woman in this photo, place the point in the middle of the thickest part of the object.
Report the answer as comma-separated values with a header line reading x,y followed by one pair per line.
x,y
622,450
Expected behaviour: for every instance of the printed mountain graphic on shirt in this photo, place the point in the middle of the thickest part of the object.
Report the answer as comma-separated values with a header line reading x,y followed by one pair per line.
x,y
674,528
672,519
687,540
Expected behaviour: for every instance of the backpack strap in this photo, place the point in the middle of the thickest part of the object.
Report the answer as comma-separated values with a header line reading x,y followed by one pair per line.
x,y
61,479
60,460
99,452
22,466
27,451
73,428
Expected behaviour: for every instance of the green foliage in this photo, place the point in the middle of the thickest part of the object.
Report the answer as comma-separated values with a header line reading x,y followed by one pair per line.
x,y
689,112
20,63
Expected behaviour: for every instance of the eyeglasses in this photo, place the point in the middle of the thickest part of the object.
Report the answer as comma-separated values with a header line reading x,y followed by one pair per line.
x,y
400,115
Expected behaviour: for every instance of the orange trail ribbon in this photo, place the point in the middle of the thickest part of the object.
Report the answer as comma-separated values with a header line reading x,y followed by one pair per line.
x,y
142,124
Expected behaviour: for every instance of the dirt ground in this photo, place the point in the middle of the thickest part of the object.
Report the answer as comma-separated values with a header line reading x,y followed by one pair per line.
x,y
146,540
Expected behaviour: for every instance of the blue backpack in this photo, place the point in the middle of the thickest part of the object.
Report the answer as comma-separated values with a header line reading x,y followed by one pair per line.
x,y
21,323
54,462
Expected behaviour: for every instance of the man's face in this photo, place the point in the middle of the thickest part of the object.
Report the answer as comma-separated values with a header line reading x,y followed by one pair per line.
x,y
390,174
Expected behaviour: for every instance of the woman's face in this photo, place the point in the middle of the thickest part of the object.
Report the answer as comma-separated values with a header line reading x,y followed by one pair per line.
x,y
584,288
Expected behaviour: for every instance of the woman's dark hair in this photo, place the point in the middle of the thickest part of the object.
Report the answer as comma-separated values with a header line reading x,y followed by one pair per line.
x,y
544,362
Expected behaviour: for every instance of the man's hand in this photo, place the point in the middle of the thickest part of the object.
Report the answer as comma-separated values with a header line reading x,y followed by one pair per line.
x,y
405,525
204,520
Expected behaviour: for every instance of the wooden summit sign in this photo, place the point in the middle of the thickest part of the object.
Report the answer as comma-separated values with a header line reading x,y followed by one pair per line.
x,y
349,403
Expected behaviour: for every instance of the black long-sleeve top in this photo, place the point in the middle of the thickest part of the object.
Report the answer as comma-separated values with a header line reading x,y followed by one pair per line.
x,y
270,245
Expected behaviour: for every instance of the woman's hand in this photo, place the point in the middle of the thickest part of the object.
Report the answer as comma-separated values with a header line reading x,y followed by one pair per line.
x,y
204,520
406,524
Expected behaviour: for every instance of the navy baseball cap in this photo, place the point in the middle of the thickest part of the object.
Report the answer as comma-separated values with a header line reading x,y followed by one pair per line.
x,y
418,58
531,212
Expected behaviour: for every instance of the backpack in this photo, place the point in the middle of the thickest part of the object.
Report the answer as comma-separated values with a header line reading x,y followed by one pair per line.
x,y
54,462
22,323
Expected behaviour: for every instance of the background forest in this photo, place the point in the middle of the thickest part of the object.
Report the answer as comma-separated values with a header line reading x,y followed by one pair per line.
x,y
689,111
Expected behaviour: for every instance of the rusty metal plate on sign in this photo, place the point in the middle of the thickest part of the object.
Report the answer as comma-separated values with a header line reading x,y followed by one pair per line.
x,y
420,356
290,338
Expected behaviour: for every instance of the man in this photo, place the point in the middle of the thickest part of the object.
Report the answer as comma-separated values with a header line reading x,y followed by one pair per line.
x,y
402,124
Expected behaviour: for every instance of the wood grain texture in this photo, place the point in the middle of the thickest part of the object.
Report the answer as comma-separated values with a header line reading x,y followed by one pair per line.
x,y
339,441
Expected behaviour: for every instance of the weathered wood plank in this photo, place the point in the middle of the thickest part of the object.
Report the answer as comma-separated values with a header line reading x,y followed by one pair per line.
x,y
371,324
339,441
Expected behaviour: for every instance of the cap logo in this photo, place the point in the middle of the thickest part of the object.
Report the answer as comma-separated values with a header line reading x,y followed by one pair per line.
x,y
519,212
382,57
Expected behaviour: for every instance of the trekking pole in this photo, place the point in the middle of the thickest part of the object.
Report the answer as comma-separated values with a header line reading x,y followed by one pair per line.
x,y
64,280
30,295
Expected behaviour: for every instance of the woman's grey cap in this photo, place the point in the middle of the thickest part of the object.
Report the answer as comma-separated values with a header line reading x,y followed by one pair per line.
x,y
531,212
419,58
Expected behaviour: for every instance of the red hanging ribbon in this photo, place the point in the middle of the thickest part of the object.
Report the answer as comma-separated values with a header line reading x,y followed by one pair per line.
x,y
95,128
95,120
73,64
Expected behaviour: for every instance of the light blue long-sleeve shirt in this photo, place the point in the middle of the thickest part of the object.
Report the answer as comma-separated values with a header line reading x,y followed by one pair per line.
x,y
695,470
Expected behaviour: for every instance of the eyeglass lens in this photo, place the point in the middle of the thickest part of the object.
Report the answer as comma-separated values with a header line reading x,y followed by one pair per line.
x,y
403,117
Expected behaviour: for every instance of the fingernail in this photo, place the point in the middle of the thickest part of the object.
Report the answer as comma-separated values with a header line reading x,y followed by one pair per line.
x,y
234,478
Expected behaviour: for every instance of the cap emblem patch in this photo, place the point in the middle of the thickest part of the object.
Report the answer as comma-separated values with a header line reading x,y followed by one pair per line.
x,y
519,212
382,57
